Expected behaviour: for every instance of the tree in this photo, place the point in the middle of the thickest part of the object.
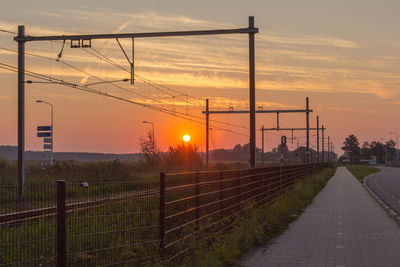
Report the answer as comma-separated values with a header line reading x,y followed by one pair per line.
x,y
149,149
366,152
378,150
351,146
391,148
184,155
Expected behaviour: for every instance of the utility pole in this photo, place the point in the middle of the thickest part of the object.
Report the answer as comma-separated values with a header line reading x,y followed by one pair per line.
x,y
21,114
318,139
262,148
323,143
308,131
329,147
252,96
397,147
207,133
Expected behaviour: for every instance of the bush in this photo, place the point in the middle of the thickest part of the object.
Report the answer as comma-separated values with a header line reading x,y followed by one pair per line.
x,y
184,156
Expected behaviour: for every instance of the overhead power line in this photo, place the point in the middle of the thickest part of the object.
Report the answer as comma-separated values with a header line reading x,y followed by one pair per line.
x,y
6,31
90,90
122,88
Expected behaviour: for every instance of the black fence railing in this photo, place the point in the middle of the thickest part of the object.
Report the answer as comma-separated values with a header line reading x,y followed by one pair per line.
x,y
135,222
199,205
73,224
27,236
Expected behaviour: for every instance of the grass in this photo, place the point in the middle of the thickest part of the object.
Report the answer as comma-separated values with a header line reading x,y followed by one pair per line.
x,y
361,171
260,225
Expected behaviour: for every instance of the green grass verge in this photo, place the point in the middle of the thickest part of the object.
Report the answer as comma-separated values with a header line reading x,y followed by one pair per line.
x,y
260,225
361,171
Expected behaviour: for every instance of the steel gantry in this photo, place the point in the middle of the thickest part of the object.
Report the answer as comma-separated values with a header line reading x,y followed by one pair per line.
x,y
322,129
85,41
207,112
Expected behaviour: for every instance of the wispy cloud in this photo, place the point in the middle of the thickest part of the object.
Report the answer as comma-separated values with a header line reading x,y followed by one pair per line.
x,y
298,62
307,40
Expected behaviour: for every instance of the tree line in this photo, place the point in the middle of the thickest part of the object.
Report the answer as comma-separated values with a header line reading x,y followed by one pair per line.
x,y
382,152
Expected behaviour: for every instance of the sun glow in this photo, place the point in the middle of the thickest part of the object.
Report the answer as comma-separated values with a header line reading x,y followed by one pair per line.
x,y
186,138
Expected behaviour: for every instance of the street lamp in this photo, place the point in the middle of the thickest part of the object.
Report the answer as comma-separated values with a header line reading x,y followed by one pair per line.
x,y
397,146
385,148
52,129
152,124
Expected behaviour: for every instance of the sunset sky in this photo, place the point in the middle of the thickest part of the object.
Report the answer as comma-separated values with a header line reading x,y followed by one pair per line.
x,y
344,55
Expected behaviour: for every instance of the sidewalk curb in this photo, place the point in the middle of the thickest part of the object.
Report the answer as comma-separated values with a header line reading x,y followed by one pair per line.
x,y
390,212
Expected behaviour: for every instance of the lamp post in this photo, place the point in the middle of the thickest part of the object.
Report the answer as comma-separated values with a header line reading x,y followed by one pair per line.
x,y
385,148
152,124
52,129
397,146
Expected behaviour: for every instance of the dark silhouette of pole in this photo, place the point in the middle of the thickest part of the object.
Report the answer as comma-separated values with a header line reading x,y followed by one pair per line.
x,y
318,139
323,143
207,133
61,225
308,131
21,114
252,96
262,148
329,148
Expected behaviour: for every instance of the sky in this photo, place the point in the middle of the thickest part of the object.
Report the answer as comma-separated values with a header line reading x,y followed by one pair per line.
x,y
343,55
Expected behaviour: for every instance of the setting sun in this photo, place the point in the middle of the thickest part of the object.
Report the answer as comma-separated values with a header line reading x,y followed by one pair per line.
x,y
186,138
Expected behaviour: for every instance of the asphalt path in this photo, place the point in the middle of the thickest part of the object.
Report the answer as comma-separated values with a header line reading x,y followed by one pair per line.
x,y
386,185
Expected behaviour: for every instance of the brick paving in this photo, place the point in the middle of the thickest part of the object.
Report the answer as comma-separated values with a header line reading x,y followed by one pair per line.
x,y
343,226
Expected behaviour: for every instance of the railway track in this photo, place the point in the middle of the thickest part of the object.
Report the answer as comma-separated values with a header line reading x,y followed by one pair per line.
x,y
26,215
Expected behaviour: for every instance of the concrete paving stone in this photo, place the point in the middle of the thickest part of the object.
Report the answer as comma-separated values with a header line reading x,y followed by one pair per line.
x,y
343,226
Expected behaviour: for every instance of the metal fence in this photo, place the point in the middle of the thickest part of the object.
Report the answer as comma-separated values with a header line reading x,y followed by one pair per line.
x,y
27,235
131,223
195,206
80,224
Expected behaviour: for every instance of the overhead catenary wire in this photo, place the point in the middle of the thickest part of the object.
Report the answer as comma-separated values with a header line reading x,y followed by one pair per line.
x,y
110,61
125,89
7,31
90,90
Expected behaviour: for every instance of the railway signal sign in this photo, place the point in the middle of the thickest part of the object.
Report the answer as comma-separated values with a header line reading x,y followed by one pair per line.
x,y
47,133
44,134
47,146
43,128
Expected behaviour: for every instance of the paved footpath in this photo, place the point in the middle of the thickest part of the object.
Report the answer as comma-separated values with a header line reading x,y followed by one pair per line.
x,y
343,226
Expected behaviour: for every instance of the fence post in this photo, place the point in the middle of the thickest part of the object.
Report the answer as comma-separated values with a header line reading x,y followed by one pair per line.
x,y
61,225
162,216
239,197
197,200
280,180
221,192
